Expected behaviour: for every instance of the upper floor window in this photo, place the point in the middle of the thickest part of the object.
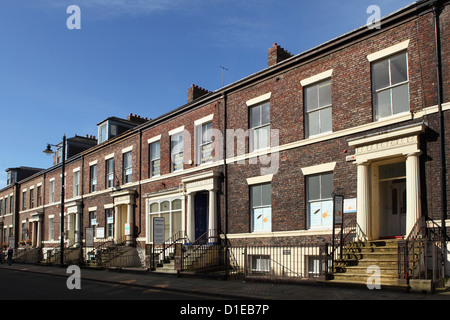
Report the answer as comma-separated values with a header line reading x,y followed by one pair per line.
x,y
52,191
76,183
39,195
127,167
155,159
318,108
6,206
390,86
204,143
11,177
31,198
259,126
93,178
176,151
24,200
110,173
102,133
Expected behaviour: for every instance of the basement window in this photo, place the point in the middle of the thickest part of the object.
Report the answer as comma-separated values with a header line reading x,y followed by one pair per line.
x,y
259,263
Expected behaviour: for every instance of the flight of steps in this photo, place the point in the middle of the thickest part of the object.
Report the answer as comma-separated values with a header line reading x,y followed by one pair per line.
x,y
202,257
360,258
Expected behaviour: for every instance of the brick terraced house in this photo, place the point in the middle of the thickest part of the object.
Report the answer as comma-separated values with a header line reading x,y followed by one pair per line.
x,y
249,177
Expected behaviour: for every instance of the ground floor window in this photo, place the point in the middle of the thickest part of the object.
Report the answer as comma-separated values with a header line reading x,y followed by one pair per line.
x,y
320,200
261,210
93,220
170,210
109,222
50,229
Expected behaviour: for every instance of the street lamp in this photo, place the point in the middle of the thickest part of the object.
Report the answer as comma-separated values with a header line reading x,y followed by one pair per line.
x,y
49,151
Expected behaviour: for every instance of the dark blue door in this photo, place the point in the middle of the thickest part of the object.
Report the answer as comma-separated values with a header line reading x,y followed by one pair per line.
x,y
201,215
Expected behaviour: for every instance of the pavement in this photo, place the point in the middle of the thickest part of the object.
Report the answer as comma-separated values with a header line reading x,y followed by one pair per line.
x,y
232,289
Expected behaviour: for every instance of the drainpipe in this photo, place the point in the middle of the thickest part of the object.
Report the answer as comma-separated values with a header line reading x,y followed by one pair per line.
x,y
225,183
437,8
225,171
140,185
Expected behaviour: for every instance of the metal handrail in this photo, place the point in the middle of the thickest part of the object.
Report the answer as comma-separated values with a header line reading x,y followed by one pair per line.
x,y
413,252
200,242
175,238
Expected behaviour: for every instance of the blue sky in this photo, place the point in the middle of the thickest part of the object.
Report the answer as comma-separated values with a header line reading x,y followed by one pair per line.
x,y
140,57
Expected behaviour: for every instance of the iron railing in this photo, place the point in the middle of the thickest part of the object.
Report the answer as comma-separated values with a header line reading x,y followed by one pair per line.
x,y
213,254
422,254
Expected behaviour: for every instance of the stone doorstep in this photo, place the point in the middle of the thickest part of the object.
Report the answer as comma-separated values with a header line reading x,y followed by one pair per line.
x,y
419,285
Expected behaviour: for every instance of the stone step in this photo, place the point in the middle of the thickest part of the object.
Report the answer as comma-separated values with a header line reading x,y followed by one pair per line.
x,y
359,257
354,277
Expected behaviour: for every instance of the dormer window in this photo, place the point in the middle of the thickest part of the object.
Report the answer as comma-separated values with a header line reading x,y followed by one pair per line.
x,y
12,175
113,127
102,133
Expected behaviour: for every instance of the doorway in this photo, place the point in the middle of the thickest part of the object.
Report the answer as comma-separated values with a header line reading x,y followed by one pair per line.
x,y
201,206
392,200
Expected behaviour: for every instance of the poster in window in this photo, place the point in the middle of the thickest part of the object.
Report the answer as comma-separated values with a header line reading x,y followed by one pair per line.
x,y
178,161
262,219
315,214
320,213
156,167
327,213
206,153
350,205
100,232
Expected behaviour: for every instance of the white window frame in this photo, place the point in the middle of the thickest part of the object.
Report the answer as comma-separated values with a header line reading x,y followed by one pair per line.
x,y
259,129
127,167
51,228
313,204
263,210
204,144
102,138
176,152
109,215
93,178
76,183
318,110
170,213
52,190
259,263
391,86
152,158
109,174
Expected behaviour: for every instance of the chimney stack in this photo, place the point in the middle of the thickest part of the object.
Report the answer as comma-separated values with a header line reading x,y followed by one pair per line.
x,y
195,92
137,119
278,54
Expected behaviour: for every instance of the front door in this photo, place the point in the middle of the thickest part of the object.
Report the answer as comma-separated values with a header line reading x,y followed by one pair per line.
x,y
201,214
392,197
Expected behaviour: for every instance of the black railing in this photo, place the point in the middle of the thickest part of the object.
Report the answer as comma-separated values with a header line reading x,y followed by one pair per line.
x,y
162,252
350,231
422,254
214,255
